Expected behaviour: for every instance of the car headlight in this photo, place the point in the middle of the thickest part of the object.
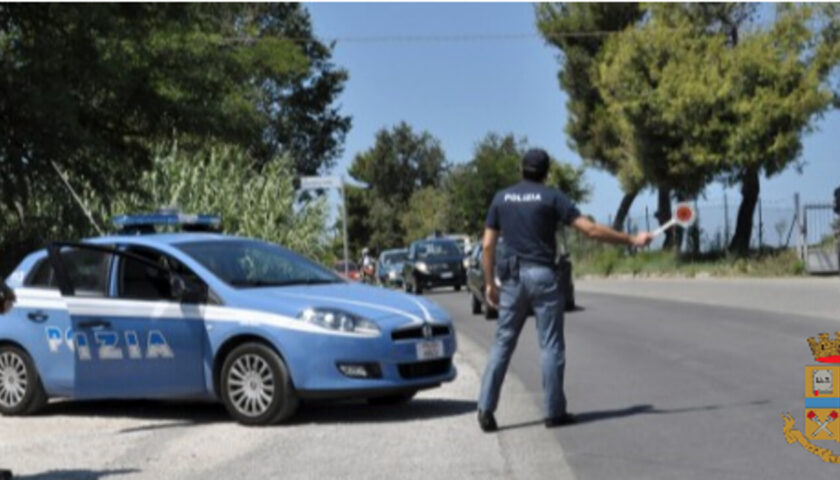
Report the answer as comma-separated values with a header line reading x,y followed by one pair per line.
x,y
422,267
393,274
332,319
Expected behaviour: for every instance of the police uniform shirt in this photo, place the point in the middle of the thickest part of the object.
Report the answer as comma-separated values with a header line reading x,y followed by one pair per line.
x,y
527,215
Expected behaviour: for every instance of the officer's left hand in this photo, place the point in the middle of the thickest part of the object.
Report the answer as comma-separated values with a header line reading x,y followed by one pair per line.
x,y
492,295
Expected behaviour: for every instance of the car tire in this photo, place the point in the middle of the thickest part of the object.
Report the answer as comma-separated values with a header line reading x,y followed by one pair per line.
x,y
246,364
394,399
476,305
457,288
16,368
491,313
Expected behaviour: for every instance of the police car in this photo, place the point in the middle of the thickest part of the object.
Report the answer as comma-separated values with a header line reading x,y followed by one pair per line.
x,y
196,314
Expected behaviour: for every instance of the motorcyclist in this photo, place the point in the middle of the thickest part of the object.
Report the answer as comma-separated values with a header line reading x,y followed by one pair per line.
x,y
368,264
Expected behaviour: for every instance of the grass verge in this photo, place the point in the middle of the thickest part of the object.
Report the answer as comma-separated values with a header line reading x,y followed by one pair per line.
x,y
617,261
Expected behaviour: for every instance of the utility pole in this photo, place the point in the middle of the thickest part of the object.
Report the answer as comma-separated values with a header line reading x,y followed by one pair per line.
x,y
344,227
725,218
326,183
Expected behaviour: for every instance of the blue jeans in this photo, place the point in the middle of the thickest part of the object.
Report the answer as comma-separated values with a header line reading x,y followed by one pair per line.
x,y
535,287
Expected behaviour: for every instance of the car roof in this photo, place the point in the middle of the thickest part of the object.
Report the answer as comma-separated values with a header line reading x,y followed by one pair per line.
x,y
434,240
162,238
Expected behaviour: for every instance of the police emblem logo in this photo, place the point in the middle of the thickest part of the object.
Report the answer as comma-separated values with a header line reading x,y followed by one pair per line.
x,y
427,331
822,400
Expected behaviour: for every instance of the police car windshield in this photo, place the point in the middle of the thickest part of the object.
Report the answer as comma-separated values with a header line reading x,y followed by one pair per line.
x,y
251,264
437,249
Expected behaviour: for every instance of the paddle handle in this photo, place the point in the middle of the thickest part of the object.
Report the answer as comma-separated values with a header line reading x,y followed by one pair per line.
x,y
661,230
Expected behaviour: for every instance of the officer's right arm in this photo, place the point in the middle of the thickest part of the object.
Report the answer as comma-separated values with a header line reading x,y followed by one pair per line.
x,y
488,262
605,234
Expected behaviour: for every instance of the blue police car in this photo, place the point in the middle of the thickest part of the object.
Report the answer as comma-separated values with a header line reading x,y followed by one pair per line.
x,y
196,314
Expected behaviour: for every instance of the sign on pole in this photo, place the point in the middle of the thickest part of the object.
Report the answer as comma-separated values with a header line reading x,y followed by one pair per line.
x,y
320,183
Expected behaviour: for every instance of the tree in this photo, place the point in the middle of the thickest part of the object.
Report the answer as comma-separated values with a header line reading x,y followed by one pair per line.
x,y
494,166
303,121
699,97
427,212
399,163
91,88
782,75
256,202
654,80
578,30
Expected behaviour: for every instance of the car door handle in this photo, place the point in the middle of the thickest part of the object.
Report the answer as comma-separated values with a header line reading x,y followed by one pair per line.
x,y
37,316
94,324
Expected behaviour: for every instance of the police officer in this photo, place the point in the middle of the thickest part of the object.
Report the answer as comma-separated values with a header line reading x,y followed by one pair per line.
x,y
7,299
526,215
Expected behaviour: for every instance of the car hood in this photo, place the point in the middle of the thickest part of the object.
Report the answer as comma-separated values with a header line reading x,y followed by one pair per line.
x,y
437,260
388,308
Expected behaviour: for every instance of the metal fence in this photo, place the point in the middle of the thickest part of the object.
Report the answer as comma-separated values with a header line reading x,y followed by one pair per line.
x,y
777,224
818,244
774,224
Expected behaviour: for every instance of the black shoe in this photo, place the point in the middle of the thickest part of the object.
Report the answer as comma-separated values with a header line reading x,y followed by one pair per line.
x,y
487,421
565,419
5,475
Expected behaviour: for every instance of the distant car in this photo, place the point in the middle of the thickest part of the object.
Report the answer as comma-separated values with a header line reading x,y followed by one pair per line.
x,y
389,267
463,241
209,316
352,270
476,285
433,263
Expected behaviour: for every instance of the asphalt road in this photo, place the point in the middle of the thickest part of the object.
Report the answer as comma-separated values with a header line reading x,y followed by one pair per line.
x,y
433,437
673,389
664,390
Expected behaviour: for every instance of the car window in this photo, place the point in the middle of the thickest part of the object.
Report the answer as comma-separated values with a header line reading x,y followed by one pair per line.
x,y
87,270
41,276
437,249
141,281
250,263
392,258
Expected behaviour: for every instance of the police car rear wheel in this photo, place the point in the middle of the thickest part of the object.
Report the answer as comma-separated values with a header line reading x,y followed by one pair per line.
x,y
21,392
256,386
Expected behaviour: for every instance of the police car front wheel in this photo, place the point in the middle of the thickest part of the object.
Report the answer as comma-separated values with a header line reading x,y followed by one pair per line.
x,y
21,392
256,386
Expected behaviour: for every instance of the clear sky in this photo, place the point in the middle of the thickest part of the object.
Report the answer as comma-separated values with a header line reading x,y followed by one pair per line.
x,y
459,90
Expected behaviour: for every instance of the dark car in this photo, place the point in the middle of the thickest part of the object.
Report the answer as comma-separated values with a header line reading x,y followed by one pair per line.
x,y
433,263
389,267
475,281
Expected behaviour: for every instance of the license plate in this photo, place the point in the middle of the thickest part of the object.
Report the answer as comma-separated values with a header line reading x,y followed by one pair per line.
x,y
429,350
446,275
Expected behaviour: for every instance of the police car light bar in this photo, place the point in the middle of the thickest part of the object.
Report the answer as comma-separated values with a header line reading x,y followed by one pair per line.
x,y
145,222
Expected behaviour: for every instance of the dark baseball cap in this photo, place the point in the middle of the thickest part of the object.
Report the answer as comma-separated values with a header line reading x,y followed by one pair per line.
x,y
535,160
